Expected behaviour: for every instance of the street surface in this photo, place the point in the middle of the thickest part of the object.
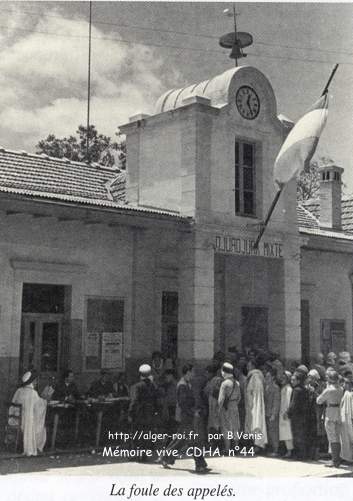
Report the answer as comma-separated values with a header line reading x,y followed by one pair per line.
x,y
96,465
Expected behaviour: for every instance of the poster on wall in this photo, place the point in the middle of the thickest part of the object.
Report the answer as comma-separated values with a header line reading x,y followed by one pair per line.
x,y
112,350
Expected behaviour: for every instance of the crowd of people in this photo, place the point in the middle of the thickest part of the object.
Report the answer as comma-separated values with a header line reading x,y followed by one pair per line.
x,y
246,399
252,399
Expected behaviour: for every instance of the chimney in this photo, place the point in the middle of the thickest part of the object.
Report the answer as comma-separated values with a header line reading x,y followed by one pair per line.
x,y
330,196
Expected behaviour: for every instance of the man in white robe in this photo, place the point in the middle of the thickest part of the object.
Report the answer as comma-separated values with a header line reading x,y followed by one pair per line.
x,y
33,415
347,423
285,430
255,418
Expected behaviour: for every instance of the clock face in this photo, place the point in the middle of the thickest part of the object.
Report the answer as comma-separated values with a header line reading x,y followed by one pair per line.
x,y
248,102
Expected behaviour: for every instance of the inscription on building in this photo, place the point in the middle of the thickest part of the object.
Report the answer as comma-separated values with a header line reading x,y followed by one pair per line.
x,y
245,247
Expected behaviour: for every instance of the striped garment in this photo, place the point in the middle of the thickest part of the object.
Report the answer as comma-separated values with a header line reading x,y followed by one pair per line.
x,y
300,144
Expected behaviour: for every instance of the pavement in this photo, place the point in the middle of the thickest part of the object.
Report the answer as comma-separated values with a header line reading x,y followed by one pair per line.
x,y
77,464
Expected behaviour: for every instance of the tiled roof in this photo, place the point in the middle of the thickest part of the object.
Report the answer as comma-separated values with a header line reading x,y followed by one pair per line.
x,y
313,206
41,173
306,219
41,176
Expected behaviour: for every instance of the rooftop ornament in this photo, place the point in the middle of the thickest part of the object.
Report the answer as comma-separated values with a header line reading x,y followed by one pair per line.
x,y
235,40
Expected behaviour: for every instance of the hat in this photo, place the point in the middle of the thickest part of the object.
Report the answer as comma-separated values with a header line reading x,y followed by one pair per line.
x,y
228,368
28,377
145,370
314,373
344,356
302,368
332,376
331,354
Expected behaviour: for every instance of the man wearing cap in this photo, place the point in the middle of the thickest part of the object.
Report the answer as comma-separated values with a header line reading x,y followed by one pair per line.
x,y
228,399
332,396
143,408
33,415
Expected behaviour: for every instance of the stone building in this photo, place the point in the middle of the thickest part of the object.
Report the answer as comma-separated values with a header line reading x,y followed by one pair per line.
x,y
101,267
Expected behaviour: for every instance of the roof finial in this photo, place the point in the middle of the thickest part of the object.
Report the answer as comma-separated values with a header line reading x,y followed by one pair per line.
x,y
235,40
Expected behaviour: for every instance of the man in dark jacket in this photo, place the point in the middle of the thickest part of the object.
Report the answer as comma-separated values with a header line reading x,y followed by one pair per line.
x,y
66,389
102,387
143,409
298,413
185,415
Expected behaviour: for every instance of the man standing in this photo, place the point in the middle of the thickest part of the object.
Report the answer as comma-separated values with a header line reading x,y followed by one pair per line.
x,y
255,420
228,399
298,413
272,407
347,422
185,414
143,409
332,396
33,415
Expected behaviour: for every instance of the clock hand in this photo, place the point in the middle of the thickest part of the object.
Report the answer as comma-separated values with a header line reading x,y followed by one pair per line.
x,y
248,102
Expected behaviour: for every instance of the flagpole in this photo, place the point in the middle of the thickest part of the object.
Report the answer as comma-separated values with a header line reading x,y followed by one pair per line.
x,y
89,81
278,194
269,214
329,80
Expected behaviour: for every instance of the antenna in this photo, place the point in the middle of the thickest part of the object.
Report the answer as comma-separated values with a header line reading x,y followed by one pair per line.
x,y
235,14
235,40
89,80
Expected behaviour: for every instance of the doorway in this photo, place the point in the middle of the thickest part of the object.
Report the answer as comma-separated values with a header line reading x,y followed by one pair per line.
x,y
42,340
254,326
43,312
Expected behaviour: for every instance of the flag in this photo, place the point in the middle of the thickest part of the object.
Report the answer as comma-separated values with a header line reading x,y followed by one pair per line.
x,y
300,144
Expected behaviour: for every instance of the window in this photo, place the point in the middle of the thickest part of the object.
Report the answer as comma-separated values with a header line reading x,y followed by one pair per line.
x,y
245,179
43,298
169,346
104,334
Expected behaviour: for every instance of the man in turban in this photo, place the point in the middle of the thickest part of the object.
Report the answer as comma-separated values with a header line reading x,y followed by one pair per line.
x,y
143,409
33,415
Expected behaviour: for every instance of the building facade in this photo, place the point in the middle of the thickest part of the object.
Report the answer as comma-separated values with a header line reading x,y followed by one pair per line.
x,y
100,267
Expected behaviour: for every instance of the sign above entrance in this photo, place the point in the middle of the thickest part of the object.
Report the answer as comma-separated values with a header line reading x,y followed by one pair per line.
x,y
245,247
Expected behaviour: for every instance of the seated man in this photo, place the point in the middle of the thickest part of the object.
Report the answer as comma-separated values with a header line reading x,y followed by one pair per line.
x,y
66,389
101,387
33,415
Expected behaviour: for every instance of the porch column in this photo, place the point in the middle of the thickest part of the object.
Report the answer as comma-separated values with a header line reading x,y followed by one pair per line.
x,y
196,298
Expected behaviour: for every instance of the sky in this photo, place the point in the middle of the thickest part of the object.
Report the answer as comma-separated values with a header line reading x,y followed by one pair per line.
x,y
142,49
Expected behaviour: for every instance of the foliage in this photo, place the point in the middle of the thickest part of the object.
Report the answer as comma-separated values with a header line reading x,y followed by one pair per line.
x,y
101,148
308,180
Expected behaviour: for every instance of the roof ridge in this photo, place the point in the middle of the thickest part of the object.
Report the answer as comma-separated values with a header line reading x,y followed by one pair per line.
x,y
48,157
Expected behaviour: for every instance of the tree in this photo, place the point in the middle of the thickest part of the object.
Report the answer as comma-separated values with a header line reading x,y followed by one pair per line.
x,y
308,180
101,150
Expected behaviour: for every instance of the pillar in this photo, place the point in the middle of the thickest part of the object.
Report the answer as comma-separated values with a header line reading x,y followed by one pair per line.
x,y
292,332
196,298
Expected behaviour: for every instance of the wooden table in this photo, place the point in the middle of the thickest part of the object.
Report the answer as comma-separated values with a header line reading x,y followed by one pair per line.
x,y
99,407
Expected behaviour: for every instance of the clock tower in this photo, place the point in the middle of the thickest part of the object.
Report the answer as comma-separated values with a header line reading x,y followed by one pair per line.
x,y
207,153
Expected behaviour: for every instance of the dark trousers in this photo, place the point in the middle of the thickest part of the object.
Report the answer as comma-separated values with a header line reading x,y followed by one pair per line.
x,y
179,444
